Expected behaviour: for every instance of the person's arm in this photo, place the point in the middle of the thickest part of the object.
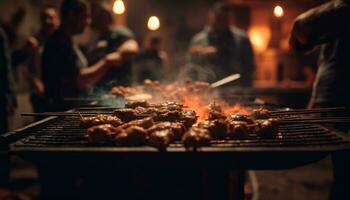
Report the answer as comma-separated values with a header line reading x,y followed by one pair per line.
x,y
91,75
128,49
321,24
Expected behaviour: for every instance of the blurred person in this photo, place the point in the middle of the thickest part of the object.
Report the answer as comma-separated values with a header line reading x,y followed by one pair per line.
x,y
7,97
109,39
49,21
65,68
327,27
7,104
152,61
221,49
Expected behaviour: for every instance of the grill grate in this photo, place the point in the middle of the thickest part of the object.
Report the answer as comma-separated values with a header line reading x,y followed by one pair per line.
x,y
65,132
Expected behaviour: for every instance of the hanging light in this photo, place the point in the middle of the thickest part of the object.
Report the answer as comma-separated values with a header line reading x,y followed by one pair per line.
x,y
118,7
153,23
278,11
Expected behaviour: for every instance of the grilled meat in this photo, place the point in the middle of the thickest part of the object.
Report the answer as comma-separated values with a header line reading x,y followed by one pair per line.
x,y
129,114
143,104
196,137
144,123
241,118
188,118
132,136
177,128
215,112
87,122
216,128
238,130
261,113
267,128
161,139
102,134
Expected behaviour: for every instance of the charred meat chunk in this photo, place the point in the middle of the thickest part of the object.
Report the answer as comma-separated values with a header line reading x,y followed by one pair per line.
x,y
216,128
261,113
171,116
128,114
215,112
188,118
170,106
196,137
87,122
267,128
102,134
241,118
177,128
161,139
144,123
135,104
132,136
238,130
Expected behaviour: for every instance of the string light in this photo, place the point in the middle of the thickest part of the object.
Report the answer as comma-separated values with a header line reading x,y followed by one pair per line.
x,y
153,23
278,11
118,7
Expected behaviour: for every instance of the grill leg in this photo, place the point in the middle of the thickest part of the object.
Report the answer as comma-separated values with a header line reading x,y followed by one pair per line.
x,y
56,184
4,169
225,184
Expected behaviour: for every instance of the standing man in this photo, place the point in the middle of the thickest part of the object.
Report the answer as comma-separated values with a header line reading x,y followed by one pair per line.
x,y
65,69
220,49
7,98
49,21
328,27
110,39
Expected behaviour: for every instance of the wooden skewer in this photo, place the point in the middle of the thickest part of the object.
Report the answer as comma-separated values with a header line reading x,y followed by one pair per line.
x,y
63,114
67,114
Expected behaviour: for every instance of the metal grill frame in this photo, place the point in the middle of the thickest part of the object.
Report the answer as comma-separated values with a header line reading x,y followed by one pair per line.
x,y
265,157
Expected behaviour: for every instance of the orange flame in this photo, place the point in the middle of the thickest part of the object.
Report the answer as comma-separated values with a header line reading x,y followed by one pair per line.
x,y
200,102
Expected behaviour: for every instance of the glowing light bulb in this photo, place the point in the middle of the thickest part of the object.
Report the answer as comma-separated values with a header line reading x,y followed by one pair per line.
x,y
153,23
118,7
278,11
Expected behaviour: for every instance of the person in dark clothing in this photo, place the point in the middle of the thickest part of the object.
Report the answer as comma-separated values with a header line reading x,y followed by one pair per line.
x,y
7,98
49,21
7,102
328,27
221,49
65,69
110,39
151,62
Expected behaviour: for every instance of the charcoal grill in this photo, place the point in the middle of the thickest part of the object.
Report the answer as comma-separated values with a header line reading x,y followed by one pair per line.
x,y
58,145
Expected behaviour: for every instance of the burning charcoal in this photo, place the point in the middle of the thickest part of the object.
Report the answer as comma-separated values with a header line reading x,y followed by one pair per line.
x,y
132,136
267,128
196,137
161,139
178,129
143,104
240,117
144,123
102,134
188,118
261,113
238,130
87,122
216,128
